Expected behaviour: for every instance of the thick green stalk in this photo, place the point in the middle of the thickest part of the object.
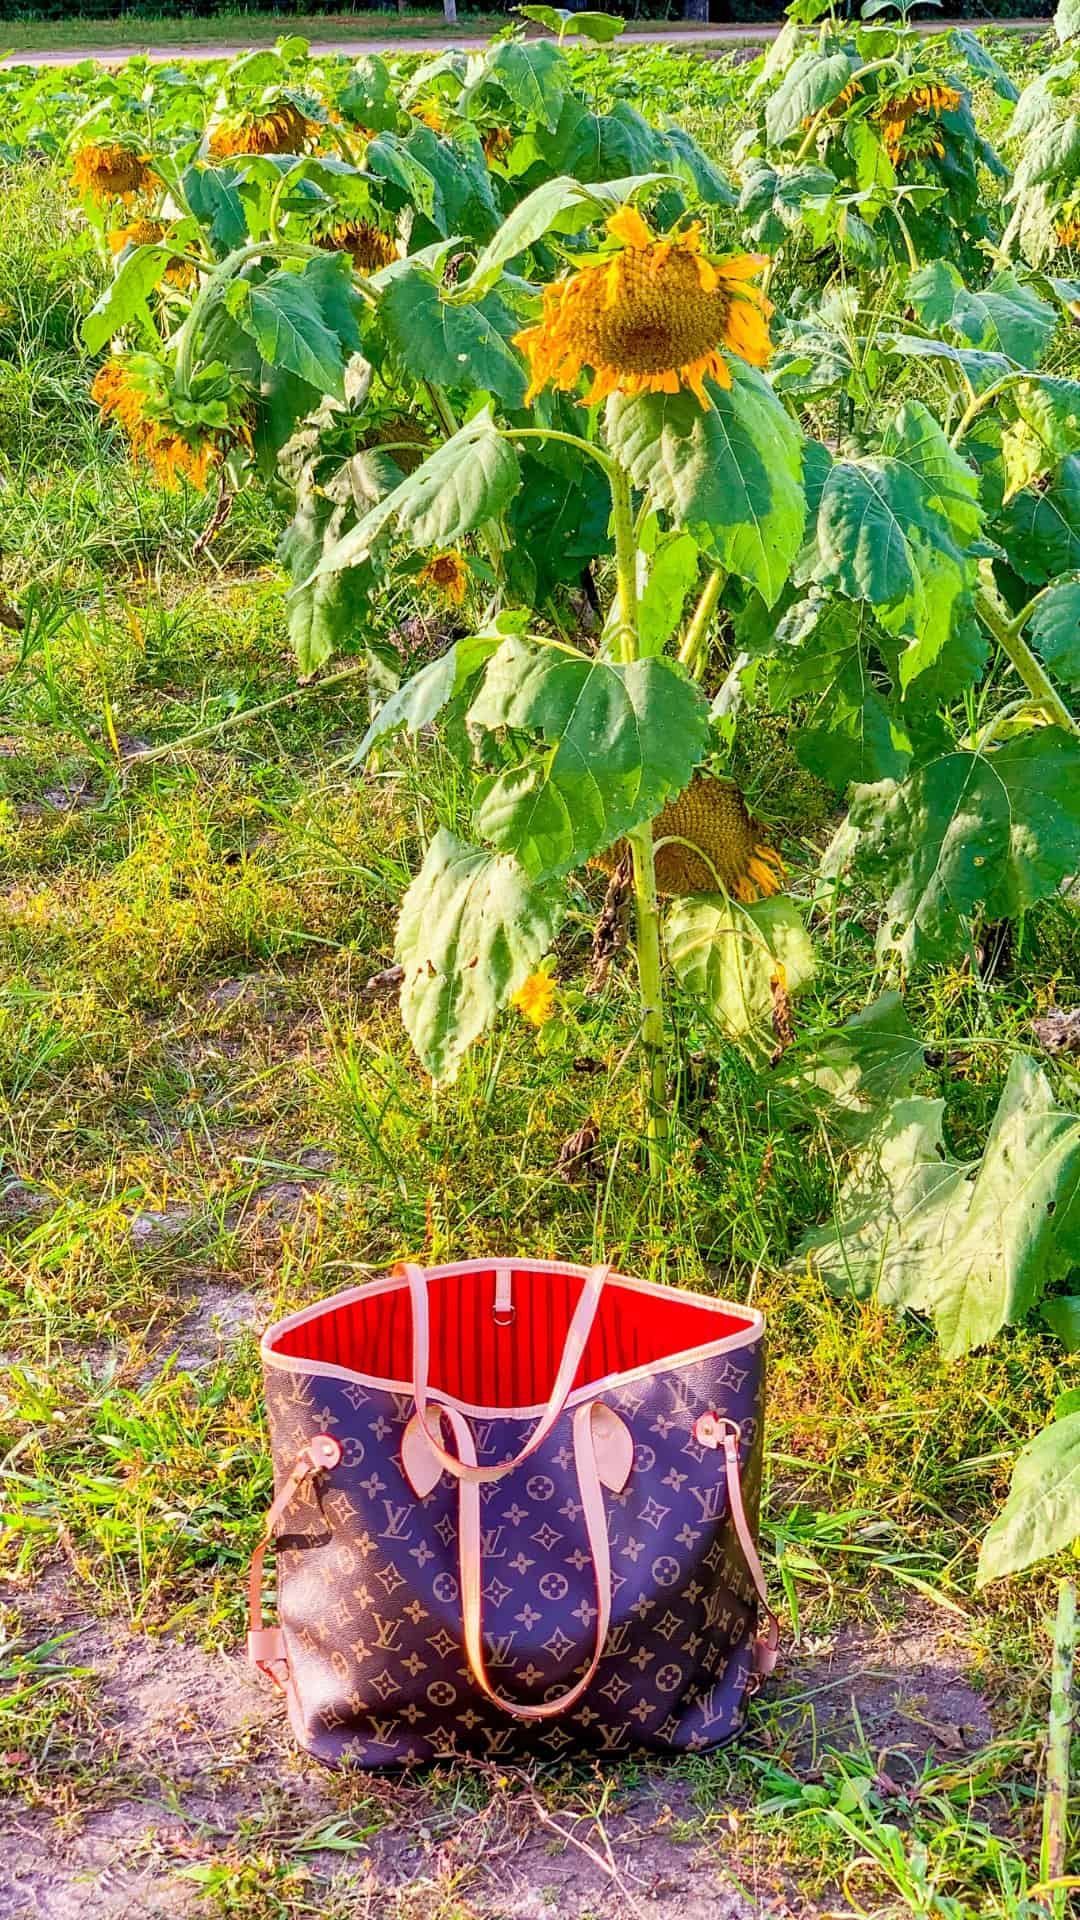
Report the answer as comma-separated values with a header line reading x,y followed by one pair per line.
x,y
1059,1741
1010,639
693,653
646,909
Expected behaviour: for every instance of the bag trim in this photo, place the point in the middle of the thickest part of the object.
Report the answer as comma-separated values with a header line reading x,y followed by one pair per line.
x,y
289,1363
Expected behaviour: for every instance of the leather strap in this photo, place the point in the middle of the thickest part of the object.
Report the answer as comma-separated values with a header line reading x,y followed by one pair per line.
x,y
712,1430
595,1427
576,1340
266,1645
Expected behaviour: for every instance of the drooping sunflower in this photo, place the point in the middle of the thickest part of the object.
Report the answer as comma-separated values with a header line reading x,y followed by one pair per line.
x,y
448,574
431,115
652,318
146,233
1068,232
838,107
535,1000
112,172
929,102
705,836
497,142
283,129
367,246
130,389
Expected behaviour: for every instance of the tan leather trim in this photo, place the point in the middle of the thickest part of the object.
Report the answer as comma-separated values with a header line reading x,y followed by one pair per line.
x,y
713,1430
576,1339
746,1336
266,1645
470,1557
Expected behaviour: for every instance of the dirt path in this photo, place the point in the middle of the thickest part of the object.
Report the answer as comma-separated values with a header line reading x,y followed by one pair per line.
x,y
705,40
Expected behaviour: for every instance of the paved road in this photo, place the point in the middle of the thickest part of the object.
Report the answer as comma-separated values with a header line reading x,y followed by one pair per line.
x,y
703,39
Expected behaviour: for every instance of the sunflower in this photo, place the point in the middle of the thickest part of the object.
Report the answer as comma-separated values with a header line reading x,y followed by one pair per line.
x,y
535,1000
706,836
448,574
1068,233
283,130
651,319
367,246
146,233
130,390
112,172
497,142
839,106
431,116
922,103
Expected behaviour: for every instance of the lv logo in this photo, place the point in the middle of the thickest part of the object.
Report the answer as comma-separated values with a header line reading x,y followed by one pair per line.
x,y
498,1648
387,1640
711,1500
490,1539
397,1522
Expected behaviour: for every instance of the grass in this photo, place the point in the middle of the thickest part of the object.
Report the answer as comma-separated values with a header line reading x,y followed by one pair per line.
x,y
237,28
201,1114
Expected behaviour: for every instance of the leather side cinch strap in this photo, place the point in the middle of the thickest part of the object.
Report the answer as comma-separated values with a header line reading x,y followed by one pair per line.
x,y
603,1455
712,1430
576,1341
266,1645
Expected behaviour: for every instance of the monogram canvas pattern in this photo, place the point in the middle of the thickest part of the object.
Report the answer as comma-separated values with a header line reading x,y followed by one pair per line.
x,y
368,1578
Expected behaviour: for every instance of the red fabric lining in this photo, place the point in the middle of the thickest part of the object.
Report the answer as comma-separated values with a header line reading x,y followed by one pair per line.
x,y
506,1366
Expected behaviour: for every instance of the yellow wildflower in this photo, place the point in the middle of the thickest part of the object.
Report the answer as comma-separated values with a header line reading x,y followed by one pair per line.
x,y
535,1000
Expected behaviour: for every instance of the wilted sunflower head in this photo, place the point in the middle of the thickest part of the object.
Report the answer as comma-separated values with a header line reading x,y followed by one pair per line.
x,y
651,319
112,172
367,246
431,115
928,103
497,142
448,574
706,839
172,434
147,233
281,129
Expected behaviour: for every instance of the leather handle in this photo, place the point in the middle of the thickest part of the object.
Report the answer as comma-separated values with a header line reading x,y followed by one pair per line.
x,y
266,1645
603,1454
713,1430
576,1340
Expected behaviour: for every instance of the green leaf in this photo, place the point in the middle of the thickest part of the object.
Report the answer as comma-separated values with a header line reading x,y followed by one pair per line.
x,y
1062,1316
563,205
212,195
531,73
812,82
601,27
1040,527
390,159
850,1074
1046,430
673,570
1042,1513
1067,21
728,955
972,50
369,100
892,529
1054,629
455,345
974,1249
823,662
472,928
125,300
1008,317
324,615
468,480
303,323
731,473
772,202
965,833
422,699
619,742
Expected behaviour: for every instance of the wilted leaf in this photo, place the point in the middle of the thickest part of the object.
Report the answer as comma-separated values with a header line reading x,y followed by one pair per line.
x,y
619,741
472,928
973,1248
728,956
1042,1513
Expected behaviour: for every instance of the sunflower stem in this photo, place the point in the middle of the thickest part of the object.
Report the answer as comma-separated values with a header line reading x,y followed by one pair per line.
x,y
642,854
1033,674
692,653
